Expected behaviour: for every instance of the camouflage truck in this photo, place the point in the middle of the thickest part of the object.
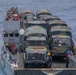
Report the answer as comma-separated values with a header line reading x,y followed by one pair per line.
x,y
41,14
59,45
36,22
36,46
28,15
57,23
60,38
51,18
60,30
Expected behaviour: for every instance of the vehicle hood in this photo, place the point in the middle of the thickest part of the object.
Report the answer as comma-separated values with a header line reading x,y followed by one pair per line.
x,y
61,49
36,49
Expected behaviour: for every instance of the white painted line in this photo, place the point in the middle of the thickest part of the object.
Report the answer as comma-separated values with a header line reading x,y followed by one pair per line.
x,y
45,72
57,72
51,73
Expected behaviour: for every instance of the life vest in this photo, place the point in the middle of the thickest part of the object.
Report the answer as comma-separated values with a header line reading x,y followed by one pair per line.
x,y
13,46
68,54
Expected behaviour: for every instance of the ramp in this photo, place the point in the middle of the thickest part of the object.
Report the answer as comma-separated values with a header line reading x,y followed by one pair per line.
x,y
45,71
29,72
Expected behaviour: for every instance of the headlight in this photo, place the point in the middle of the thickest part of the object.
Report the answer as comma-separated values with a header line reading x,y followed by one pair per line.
x,y
28,61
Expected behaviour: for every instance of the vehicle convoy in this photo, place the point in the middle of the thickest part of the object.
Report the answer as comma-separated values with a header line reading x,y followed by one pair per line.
x,y
28,39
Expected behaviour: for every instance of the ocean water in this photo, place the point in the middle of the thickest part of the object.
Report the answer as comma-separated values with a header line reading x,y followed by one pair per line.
x,y
65,9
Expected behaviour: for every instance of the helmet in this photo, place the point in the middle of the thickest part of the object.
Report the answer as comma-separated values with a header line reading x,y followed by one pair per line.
x,y
48,54
6,44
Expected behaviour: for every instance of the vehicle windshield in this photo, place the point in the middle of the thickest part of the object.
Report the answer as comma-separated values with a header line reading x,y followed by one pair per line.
x,y
35,43
52,25
52,19
62,41
39,24
35,56
61,33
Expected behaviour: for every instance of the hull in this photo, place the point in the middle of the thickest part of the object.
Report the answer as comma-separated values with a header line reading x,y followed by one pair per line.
x,y
8,70
6,66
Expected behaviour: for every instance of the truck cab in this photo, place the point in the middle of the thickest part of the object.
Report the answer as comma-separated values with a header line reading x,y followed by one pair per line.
x,y
41,14
51,18
28,15
36,46
36,49
60,30
59,45
53,23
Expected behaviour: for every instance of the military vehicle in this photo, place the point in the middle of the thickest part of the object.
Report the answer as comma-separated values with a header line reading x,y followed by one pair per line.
x,y
50,18
41,14
59,44
60,30
36,46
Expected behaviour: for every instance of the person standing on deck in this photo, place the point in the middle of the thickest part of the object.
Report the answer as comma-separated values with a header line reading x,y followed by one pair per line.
x,y
49,60
15,17
68,54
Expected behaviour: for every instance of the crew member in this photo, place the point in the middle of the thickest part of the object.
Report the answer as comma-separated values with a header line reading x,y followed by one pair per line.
x,y
15,17
68,53
6,44
49,60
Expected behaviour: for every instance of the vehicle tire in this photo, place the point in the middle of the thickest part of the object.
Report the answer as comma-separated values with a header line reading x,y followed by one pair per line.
x,y
25,65
49,65
45,66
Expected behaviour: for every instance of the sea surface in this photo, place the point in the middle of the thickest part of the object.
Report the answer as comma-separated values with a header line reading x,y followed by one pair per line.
x,y
65,9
